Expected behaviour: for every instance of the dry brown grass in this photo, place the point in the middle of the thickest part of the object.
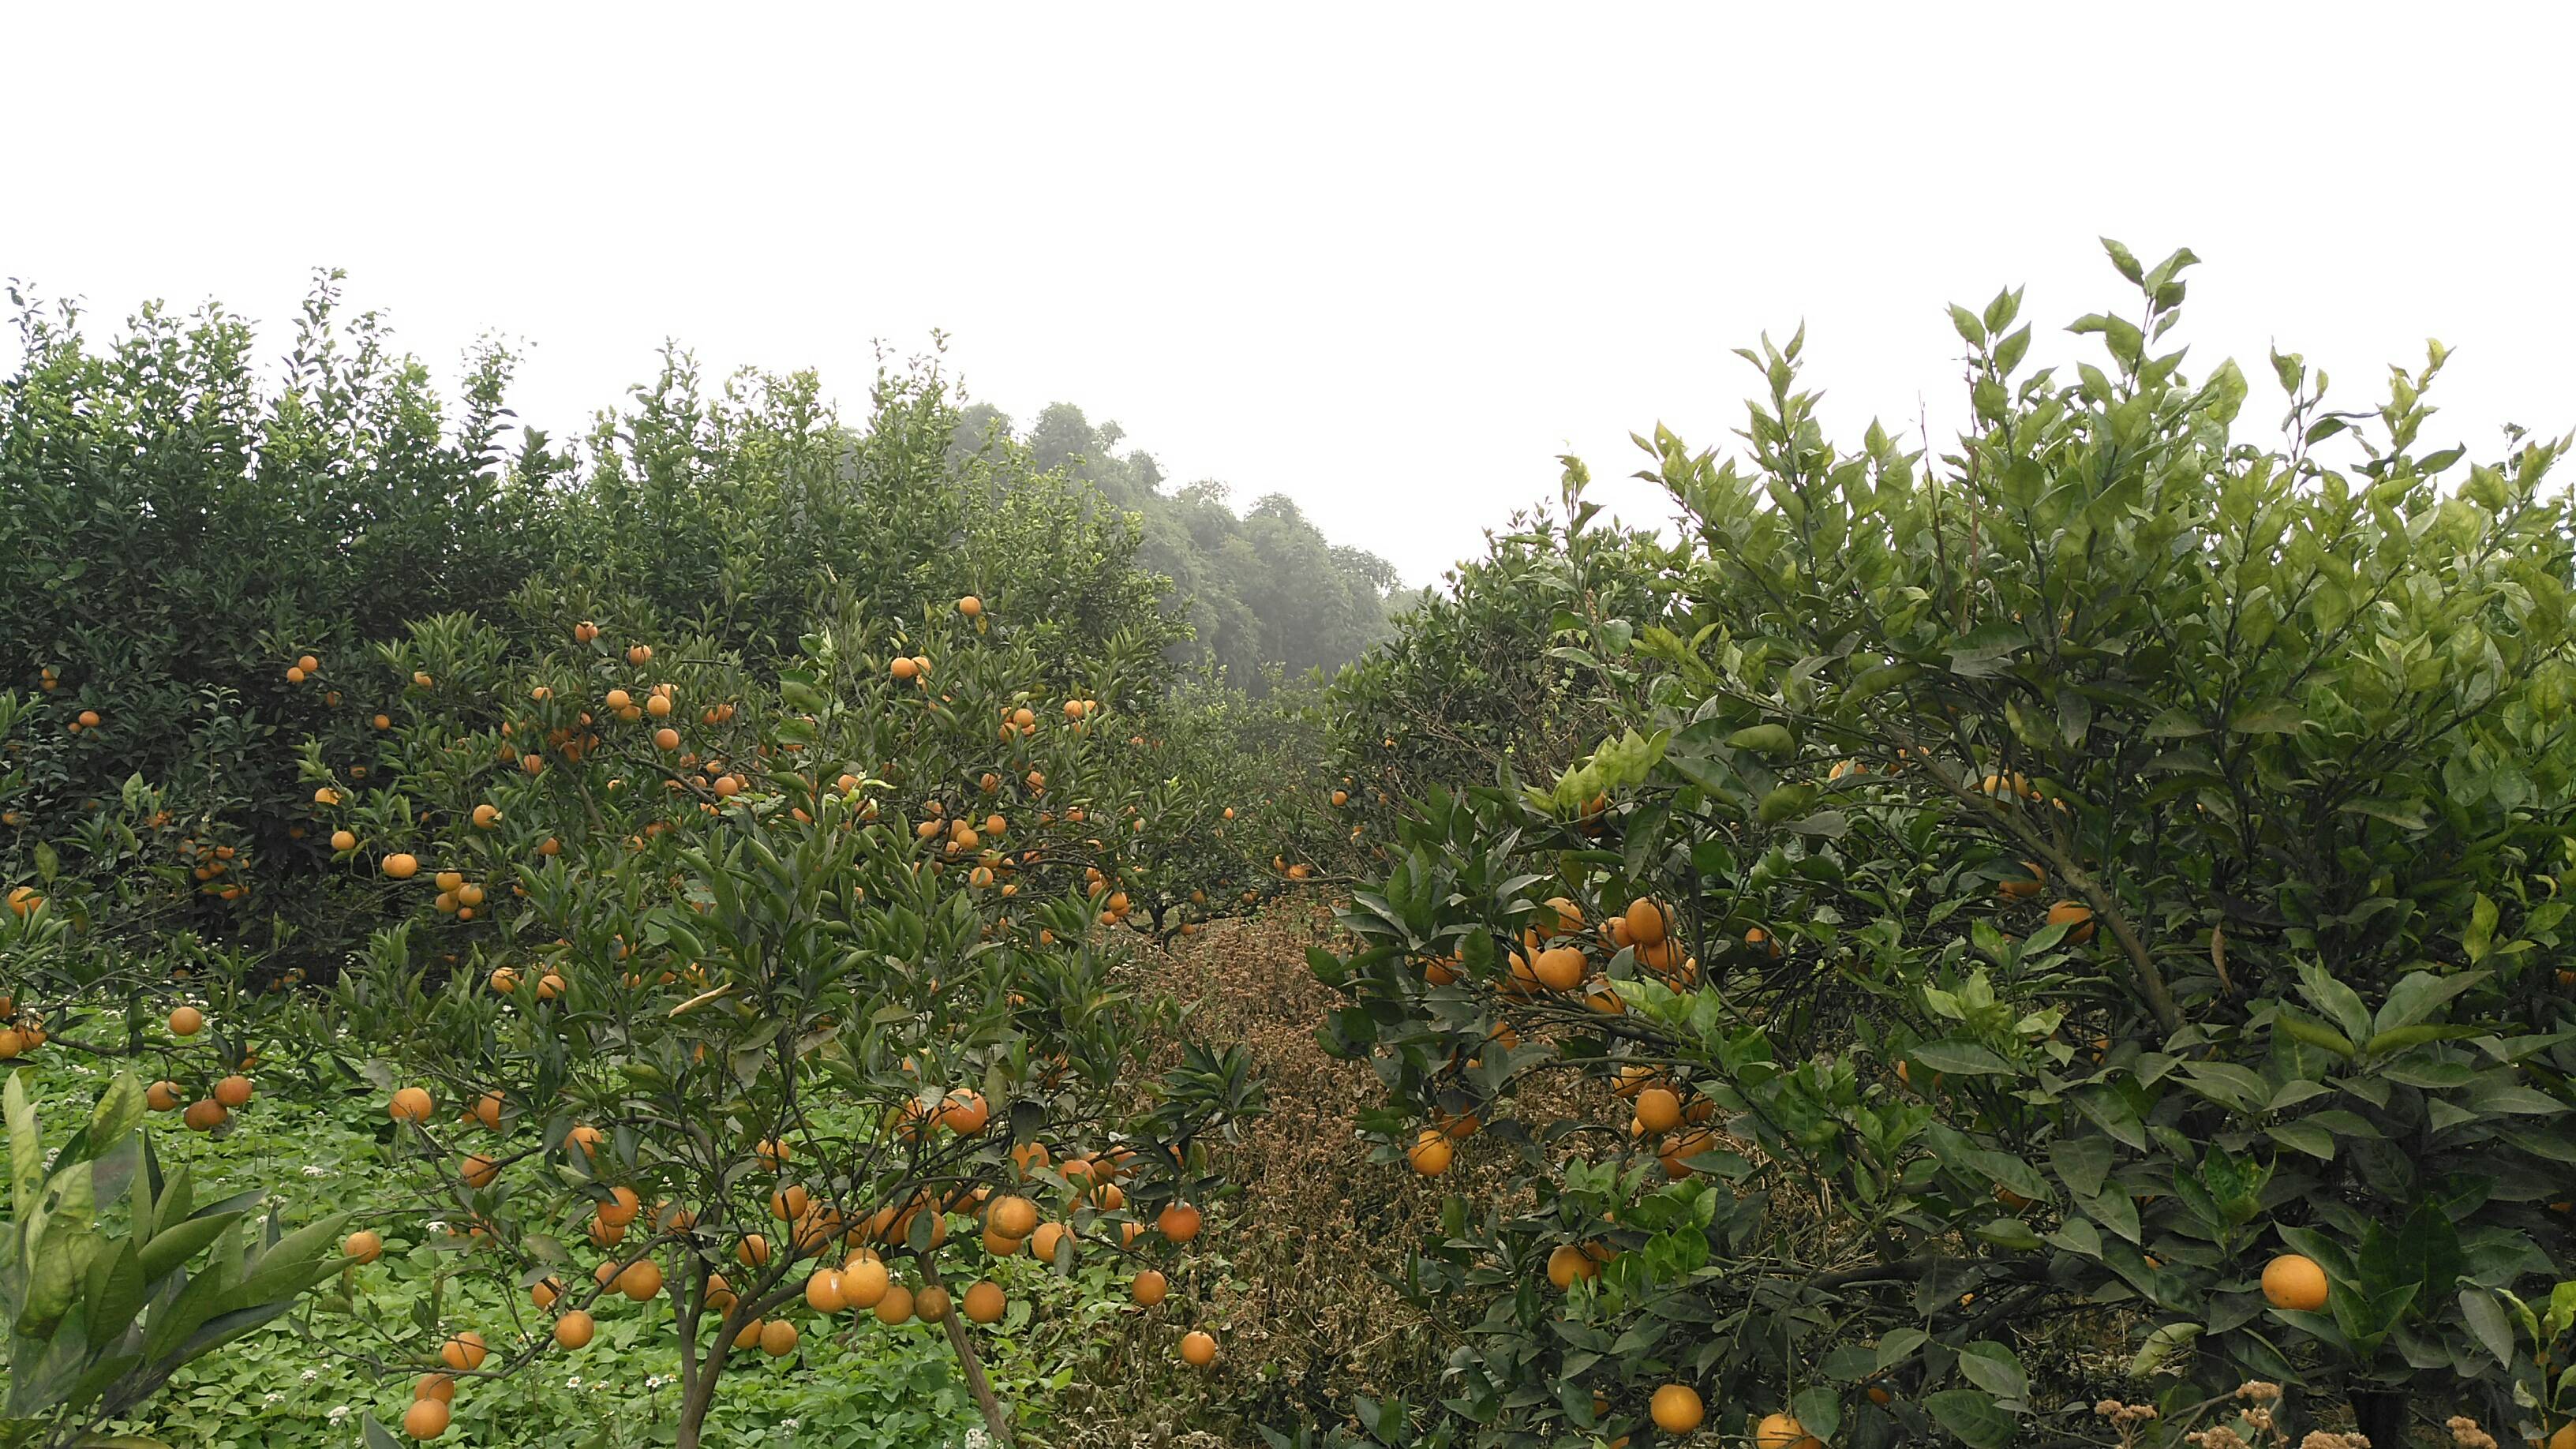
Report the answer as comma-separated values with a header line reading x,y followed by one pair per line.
x,y
1291,1273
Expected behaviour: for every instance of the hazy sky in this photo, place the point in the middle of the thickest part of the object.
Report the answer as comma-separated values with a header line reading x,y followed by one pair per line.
x,y
1387,259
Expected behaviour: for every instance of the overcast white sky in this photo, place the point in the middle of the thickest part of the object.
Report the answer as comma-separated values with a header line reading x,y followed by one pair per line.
x,y
1389,260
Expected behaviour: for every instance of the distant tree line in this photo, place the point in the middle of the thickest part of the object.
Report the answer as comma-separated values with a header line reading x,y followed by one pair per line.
x,y
1264,592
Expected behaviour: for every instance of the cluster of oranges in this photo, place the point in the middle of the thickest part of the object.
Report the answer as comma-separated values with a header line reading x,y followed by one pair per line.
x,y
223,1097
21,1032
855,1276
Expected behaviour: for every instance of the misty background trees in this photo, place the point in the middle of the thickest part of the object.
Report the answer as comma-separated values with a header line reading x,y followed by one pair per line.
x,y
1262,589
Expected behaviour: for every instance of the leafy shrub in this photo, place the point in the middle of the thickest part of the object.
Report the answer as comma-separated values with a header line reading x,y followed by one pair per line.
x,y
2080,921
102,1312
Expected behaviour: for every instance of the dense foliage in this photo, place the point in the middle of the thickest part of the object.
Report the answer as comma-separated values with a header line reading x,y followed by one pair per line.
x,y
2083,917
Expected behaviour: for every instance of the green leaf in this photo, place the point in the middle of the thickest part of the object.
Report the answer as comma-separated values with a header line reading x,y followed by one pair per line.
x,y
2305,1137
2161,1345
2480,937
1962,1058
2421,993
1993,1367
2173,724
2271,717
26,1146
1763,739
1971,1415
2487,1322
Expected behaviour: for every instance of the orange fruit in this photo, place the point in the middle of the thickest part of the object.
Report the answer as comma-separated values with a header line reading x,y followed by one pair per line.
x,y
1430,1153
2294,1281
752,1251
233,1091
2076,917
778,1338
426,1418
463,1352
187,1021
1659,1109
1198,1349
641,1280
895,1307
434,1386
965,1113
1567,1263
864,1283
749,1337
640,654
970,606
823,1291
343,840
1558,968
1012,1217
1044,1242
411,1104
666,739
401,866
1645,923
2022,890
362,1245
930,1305
984,1302
1149,1287
1676,1409
1178,1222
162,1096
203,1116
486,816
574,1329
1776,1431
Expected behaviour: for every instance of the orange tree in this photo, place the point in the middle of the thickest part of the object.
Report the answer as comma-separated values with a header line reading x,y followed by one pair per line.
x,y
776,1005
2080,921
1481,679
188,558
1237,807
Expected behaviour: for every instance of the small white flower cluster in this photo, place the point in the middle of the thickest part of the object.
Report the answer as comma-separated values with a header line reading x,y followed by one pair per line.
x,y
315,1169
338,1413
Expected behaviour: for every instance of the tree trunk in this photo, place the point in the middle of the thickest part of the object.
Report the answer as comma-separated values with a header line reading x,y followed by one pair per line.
x,y
995,1420
693,1408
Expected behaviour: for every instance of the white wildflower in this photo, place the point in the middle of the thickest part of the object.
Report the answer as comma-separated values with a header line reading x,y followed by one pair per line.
x,y
339,1413
315,1169
574,1382
272,1398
